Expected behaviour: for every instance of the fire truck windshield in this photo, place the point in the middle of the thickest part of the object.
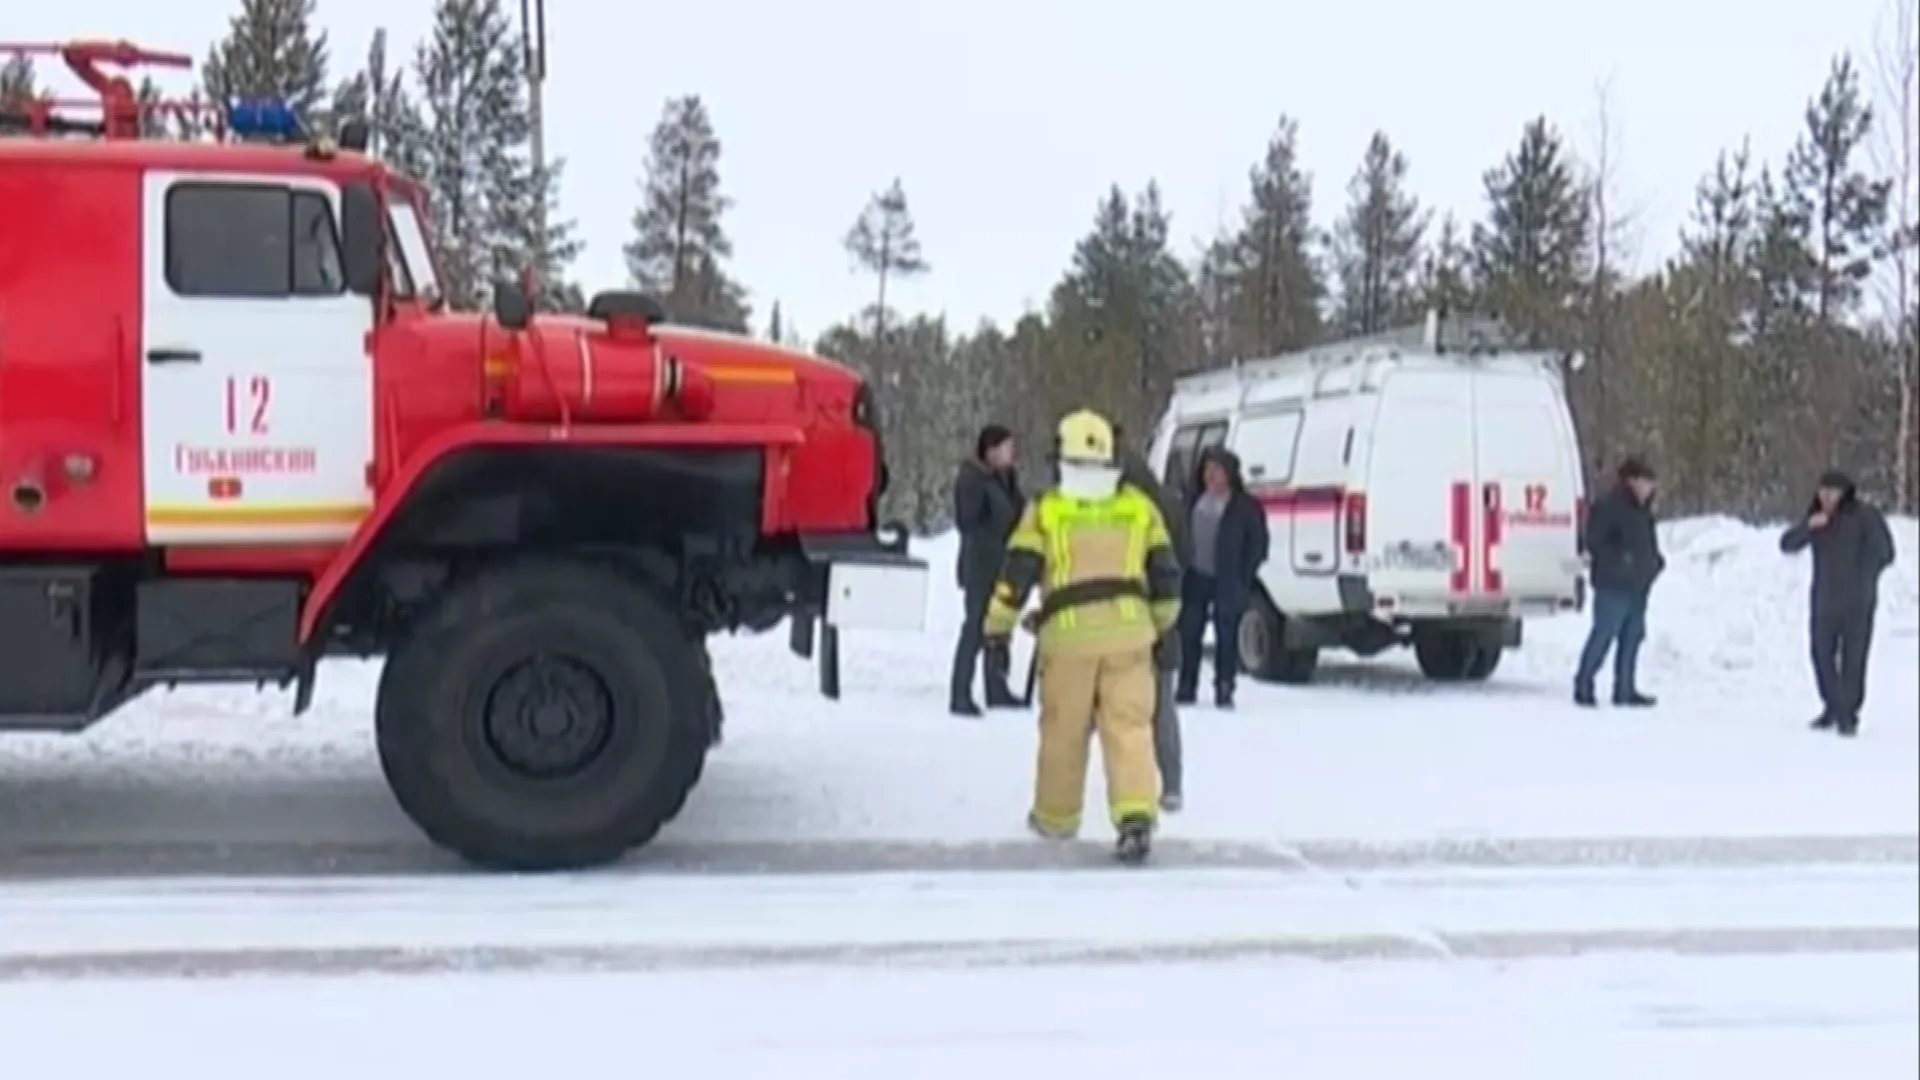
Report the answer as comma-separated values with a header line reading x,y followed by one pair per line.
x,y
410,249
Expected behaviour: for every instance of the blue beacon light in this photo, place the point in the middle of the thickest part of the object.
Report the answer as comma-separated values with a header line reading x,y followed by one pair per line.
x,y
262,119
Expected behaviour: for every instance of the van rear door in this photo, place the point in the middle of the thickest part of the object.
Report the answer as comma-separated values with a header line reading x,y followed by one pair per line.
x,y
1419,477
1529,490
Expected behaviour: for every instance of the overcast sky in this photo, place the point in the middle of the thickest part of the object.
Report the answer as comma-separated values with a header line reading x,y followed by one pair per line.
x,y
1008,119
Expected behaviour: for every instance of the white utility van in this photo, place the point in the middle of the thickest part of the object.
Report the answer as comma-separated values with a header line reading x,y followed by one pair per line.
x,y
1422,486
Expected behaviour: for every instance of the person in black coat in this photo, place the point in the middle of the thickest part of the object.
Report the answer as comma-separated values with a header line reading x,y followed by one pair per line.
x,y
1852,547
987,504
1226,534
1623,548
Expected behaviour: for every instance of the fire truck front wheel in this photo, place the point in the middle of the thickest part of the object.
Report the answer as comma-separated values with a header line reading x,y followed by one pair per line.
x,y
542,715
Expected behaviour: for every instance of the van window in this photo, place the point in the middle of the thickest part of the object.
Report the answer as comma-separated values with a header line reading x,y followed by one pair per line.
x,y
1186,442
1183,454
1266,443
254,241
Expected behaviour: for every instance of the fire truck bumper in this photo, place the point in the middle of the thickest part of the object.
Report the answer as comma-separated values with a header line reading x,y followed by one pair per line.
x,y
856,581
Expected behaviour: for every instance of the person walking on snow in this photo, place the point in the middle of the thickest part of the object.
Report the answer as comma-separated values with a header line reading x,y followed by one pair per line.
x,y
1229,538
986,503
1136,473
1623,546
1852,547
1099,554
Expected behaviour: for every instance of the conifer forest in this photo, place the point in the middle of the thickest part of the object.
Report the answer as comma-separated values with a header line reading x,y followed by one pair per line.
x,y
1781,335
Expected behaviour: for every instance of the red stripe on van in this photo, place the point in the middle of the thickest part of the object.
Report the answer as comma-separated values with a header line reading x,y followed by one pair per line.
x,y
1490,579
1279,499
1460,532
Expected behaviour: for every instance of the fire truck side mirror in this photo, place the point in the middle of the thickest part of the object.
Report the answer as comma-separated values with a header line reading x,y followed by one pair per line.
x,y
512,307
362,238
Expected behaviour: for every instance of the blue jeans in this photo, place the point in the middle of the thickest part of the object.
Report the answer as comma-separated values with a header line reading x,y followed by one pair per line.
x,y
1619,626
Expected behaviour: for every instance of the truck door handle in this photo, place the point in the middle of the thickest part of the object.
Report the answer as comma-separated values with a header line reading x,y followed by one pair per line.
x,y
173,356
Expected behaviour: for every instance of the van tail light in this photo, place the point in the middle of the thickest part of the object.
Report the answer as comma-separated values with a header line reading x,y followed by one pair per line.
x,y
1354,514
1580,524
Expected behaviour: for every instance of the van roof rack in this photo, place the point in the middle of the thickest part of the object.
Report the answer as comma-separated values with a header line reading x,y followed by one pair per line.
x,y
1464,336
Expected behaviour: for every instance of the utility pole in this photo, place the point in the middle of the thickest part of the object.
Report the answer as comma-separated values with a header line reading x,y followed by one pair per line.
x,y
533,38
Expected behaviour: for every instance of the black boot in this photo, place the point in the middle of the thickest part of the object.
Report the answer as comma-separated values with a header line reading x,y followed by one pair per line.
x,y
964,707
999,697
1135,842
1223,697
1583,697
1634,699
1847,726
1823,722
998,662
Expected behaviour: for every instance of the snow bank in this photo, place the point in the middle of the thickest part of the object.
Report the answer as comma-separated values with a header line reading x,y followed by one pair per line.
x,y
1731,600
1729,603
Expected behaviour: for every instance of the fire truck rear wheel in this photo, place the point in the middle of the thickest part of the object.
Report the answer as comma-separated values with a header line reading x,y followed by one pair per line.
x,y
542,715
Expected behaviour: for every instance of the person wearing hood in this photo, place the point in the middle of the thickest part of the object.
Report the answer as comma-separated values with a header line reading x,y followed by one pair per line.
x,y
1228,539
1852,547
986,504
1623,549
1136,473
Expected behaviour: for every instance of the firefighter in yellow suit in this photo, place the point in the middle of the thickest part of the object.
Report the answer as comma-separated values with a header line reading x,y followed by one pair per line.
x,y
1099,554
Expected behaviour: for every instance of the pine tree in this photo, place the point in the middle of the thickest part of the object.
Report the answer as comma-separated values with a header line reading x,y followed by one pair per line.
x,y
1530,256
1708,287
1842,213
680,247
1272,286
882,242
1845,208
1377,246
1446,273
776,333
377,96
477,167
271,51
1125,315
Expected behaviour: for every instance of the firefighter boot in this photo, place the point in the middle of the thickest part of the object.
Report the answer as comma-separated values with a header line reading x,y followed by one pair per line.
x,y
1135,842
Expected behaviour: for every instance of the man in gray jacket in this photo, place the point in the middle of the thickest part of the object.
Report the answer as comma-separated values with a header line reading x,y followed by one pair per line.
x,y
1166,715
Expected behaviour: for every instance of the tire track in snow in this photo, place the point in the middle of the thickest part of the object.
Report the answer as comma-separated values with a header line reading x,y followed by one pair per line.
x,y
641,959
81,860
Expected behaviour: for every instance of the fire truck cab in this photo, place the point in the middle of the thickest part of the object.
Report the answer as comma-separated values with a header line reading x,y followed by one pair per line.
x,y
240,432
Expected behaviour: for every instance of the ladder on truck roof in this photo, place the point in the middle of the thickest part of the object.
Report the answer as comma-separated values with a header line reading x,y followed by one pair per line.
x,y
120,111
1464,337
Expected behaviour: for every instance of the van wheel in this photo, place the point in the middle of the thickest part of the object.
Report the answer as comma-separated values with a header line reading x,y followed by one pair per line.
x,y
1262,653
1455,656
542,715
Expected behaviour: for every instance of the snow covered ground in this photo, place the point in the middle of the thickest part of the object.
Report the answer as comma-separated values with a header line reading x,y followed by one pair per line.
x,y
1497,879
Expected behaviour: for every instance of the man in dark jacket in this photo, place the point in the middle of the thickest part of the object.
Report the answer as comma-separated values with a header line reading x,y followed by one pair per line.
x,y
986,505
1227,539
1135,471
1852,547
1623,546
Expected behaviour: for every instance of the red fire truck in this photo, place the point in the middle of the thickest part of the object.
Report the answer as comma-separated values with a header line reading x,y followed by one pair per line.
x,y
240,433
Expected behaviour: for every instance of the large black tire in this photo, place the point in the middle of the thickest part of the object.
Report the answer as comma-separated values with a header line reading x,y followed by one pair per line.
x,y
1262,630
542,714
1455,656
